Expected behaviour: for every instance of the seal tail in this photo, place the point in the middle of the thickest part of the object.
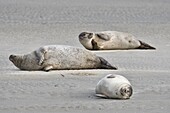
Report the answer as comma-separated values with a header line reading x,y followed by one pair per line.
x,y
145,46
105,64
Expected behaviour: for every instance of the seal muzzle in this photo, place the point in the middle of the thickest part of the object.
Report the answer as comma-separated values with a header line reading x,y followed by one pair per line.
x,y
12,57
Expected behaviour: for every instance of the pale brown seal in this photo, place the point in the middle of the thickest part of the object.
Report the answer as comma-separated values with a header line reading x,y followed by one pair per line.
x,y
114,86
111,40
59,57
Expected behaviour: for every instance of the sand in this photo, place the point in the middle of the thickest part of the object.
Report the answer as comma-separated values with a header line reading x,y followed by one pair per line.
x,y
26,25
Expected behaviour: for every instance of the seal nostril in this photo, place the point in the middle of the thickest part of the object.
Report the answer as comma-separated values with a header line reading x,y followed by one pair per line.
x,y
11,57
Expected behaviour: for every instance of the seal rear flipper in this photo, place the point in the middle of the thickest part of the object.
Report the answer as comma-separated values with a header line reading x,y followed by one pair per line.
x,y
105,64
145,46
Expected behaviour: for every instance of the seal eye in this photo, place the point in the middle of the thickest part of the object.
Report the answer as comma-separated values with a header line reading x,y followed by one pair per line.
x,y
90,35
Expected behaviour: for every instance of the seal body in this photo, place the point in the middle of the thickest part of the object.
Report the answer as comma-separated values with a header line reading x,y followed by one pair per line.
x,y
59,57
114,86
111,40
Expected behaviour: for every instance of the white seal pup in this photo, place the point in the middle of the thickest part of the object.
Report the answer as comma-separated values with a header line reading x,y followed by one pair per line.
x,y
59,57
111,40
114,86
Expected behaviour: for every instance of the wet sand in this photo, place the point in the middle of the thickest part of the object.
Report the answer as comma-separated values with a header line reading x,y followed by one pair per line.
x,y
27,25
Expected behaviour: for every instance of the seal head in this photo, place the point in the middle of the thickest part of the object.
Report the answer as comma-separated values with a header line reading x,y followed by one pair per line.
x,y
25,62
85,39
16,60
125,91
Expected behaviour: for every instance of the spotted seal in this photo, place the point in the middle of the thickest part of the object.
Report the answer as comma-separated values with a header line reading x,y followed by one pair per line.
x,y
59,57
114,86
111,40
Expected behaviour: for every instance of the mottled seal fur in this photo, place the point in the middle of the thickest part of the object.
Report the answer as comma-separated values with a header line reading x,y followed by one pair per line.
x,y
114,86
111,40
59,57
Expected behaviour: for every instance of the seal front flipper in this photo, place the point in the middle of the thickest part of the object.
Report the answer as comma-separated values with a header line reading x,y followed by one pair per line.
x,y
103,36
101,96
48,68
40,54
105,64
94,45
144,45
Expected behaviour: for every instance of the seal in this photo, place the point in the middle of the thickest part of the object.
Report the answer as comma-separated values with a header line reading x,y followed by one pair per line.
x,y
114,86
111,40
59,57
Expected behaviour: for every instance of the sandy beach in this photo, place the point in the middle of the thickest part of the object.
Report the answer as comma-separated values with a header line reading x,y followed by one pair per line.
x,y
27,25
